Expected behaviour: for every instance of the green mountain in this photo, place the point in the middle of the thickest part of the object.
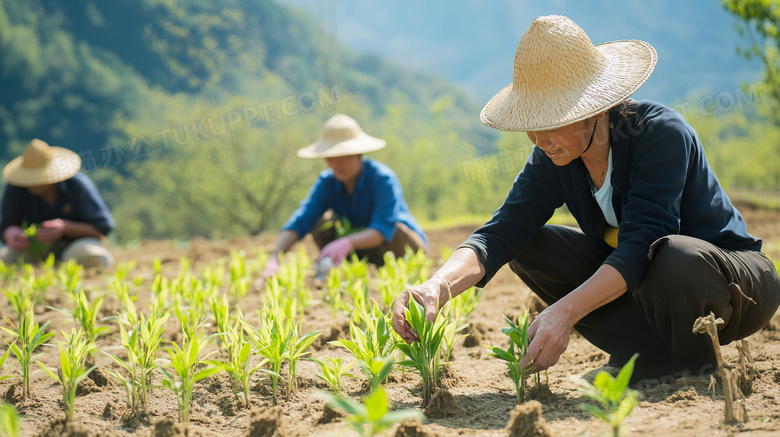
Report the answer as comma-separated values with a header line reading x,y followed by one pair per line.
x,y
188,114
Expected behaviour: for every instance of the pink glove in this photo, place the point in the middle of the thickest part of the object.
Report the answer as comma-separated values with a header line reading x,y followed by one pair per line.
x,y
15,238
271,267
336,250
51,230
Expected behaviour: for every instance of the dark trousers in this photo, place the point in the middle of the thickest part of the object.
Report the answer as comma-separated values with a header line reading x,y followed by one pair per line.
x,y
687,278
402,237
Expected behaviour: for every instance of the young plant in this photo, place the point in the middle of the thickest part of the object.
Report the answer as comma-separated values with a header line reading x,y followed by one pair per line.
x,y
423,355
297,349
461,307
239,278
373,415
185,363
614,398
372,345
237,366
36,249
333,370
9,421
272,339
3,359
518,345
73,355
86,313
29,336
141,340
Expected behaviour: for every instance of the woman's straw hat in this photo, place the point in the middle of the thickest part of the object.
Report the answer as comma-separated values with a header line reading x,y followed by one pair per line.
x,y
560,77
41,164
341,136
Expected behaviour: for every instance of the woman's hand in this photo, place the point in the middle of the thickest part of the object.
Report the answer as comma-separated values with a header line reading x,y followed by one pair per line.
x,y
336,250
51,230
15,238
548,337
432,294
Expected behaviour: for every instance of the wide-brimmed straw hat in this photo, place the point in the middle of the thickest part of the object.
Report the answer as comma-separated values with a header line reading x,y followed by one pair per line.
x,y
560,77
41,164
341,136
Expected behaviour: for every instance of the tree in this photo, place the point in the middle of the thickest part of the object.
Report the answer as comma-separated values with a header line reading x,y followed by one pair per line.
x,y
759,21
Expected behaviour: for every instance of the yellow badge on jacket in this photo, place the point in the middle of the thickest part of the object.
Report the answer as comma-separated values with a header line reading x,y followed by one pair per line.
x,y
610,236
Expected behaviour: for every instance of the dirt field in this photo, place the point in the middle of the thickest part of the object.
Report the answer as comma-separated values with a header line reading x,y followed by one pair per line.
x,y
482,390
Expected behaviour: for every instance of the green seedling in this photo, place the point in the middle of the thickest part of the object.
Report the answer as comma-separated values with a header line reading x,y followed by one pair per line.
x,y
297,349
36,249
272,339
372,343
85,314
461,307
423,355
335,290
141,341
29,336
186,370
615,400
237,366
373,415
342,226
73,355
9,421
69,276
3,359
239,278
20,298
333,370
518,345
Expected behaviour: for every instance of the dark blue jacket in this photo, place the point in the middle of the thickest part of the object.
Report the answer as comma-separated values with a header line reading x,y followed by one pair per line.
x,y
662,185
78,200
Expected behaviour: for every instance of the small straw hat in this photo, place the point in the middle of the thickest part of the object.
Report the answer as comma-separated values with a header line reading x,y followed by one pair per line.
x,y
341,136
41,164
560,77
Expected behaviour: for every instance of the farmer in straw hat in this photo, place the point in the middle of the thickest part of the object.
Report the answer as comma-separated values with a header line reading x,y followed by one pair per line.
x,y
365,192
659,243
45,188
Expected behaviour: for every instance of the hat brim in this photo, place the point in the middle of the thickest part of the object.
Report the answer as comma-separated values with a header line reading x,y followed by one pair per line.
x,y
363,143
629,64
63,165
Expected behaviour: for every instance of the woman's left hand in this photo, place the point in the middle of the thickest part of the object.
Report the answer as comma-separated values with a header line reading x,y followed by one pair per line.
x,y
548,337
336,250
51,230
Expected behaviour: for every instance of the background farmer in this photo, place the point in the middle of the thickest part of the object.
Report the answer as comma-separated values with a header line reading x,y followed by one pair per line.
x,y
44,187
659,243
365,192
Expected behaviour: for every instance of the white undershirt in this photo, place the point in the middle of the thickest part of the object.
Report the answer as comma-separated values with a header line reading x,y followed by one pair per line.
x,y
603,195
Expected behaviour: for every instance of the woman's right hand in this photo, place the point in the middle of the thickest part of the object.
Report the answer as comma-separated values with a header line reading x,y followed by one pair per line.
x,y
15,238
271,268
432,294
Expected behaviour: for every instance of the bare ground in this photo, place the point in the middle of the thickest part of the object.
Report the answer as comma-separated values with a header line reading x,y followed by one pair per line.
x,y
479,384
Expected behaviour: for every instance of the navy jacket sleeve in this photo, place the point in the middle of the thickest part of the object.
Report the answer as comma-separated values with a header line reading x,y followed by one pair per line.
x,y
532,200
89,205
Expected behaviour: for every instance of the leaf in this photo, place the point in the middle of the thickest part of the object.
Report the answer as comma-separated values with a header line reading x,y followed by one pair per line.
x,y
595,411
376,404
396,416
205,373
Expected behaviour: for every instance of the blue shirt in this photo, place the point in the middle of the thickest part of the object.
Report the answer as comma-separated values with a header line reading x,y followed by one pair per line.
x,y
377,202
662,185
78,200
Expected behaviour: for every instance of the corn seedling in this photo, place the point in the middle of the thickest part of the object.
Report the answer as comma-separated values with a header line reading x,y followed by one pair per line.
x,y
615,400
7,273
729,378
402,273
122,290
9,421
237,366
141,341
85,314
518,345
220,310
373,415
69,276
38,283
372,343
296,350
335,290
423,355
36,249
3,359
272,339
333,370
20,298
29,336
185,362
73,355
239,278
461,307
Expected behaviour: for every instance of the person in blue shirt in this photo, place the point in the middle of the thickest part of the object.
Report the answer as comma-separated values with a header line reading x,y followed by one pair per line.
x,y
659,243
365,192
45,188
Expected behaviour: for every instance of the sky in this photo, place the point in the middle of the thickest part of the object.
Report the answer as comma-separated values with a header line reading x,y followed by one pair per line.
x,y
472,43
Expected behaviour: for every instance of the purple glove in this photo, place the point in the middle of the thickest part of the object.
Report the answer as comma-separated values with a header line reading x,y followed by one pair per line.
x,y
336,250
15,238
